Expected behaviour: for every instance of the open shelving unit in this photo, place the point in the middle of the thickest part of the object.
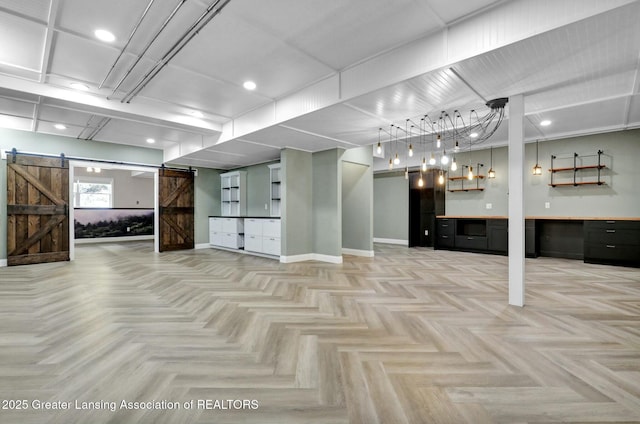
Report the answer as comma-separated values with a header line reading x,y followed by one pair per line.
x,y
579,165
472,185
275,189
233,187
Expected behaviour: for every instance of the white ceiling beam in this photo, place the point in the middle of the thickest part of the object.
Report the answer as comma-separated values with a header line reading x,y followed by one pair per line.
x,y
514,21
100,105
46,53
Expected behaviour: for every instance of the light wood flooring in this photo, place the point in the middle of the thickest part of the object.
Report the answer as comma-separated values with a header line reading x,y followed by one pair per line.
x,y
410,336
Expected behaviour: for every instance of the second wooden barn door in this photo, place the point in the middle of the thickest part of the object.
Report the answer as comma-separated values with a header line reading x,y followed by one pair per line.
x,y
176,200
37,209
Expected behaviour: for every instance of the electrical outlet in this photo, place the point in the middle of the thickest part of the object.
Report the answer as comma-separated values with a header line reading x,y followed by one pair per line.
x,y
547,205
489,205
266,206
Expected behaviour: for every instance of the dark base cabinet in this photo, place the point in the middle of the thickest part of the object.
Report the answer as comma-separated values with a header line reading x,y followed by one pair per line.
x,y
611,242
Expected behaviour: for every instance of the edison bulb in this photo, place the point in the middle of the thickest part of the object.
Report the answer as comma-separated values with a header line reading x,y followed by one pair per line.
x,y
444,159
454,165
420,182
396,160
410,150
441,179
470,174
379,148
424,164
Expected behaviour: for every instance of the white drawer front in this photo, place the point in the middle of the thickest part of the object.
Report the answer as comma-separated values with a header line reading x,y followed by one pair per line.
x,y
271,228
253,243
253,226
271,245
232,225
232,240
216,238
215,224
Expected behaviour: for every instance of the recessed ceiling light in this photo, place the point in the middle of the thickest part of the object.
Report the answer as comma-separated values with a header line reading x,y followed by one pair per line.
x,y
249,85
545,123
473,135
59,127
150,140
104,35
79,86
196,114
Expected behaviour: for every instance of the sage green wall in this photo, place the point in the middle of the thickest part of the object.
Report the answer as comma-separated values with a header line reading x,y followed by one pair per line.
x,y
357,198
258,189
327,203
495,192
618,198
356,210
391,206
207,201
297,213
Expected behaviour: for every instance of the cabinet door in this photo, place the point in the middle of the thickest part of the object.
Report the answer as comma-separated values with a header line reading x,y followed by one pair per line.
x,y
216,238
271,246
253,226
271,228
232,225
253,243
215,224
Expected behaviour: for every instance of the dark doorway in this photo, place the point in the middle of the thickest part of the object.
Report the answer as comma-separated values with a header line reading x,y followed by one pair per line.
x,y
425,203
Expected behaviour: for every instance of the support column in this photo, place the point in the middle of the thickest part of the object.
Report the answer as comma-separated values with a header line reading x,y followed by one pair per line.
x,y
516,200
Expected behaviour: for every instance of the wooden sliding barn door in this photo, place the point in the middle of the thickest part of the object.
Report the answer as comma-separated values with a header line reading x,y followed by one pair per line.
x,y
176,200
37,209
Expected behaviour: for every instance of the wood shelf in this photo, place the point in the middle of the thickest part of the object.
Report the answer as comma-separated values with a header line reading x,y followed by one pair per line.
x,y
577,167
466,189
578,183
465,178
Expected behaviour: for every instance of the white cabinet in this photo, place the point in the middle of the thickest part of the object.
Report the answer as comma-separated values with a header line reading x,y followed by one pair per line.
x,y
226,232
275,189
233,193
262,235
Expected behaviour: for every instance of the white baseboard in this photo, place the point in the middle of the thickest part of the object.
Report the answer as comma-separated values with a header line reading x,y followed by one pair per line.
x,y
296,258
202,246
391,241
327,258
3,262
311,257
357,252
112,239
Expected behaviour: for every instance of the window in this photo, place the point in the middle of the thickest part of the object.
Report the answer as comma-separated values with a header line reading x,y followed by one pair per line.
x,y
93,192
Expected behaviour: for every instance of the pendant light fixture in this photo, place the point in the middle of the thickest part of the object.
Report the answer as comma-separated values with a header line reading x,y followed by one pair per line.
x,y
424,164
470,173
379,147
441,178
454,164
396,160
537,169
420,181
491,173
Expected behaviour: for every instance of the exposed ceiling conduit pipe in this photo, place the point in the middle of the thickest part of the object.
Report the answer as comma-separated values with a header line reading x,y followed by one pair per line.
x,y
135,29
99,128
164,24
200,23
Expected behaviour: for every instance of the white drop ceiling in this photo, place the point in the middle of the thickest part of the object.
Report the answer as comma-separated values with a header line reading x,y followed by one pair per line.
x,y
328,74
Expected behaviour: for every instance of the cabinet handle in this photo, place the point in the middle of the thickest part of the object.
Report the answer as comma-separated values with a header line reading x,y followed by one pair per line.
x,y
611,222
610,246
445,225
445,236
469,238
272,239
611,231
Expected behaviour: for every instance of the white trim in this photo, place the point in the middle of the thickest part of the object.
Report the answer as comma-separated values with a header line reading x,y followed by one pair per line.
x,y
311,257
113,239
296,258
3,262
391,241
241,251
357,252
327,258
202,246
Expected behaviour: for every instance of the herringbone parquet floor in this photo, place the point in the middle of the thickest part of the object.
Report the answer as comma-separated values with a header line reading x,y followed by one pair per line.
x,y
410,336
